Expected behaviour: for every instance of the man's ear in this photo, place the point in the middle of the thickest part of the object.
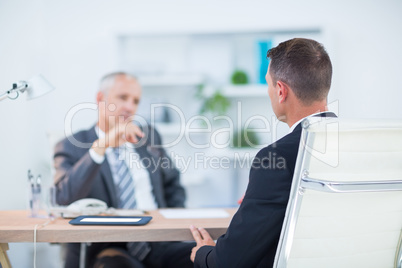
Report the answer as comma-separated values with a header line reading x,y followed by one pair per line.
x,y
100,97
283,91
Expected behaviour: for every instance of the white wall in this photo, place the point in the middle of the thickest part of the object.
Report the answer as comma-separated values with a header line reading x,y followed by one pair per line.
x,y
73,44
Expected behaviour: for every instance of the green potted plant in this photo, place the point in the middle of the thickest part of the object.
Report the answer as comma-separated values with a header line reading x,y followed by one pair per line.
x,y
239,77
215,104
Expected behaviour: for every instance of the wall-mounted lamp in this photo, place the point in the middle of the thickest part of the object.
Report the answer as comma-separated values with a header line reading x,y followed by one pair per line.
x,y
35,87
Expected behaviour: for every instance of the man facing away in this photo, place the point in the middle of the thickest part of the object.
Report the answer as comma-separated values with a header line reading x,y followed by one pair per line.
x,y
299,79
99,163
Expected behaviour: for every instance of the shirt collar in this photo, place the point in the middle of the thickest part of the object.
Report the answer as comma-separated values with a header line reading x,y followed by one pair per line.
x,y
101,134
298,122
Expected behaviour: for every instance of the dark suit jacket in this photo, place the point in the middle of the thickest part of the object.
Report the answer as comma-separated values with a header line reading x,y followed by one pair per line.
x,y
252,237
78,176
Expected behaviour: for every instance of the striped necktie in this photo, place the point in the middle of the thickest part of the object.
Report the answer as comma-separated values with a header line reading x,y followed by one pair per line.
x,y
125,183
125,188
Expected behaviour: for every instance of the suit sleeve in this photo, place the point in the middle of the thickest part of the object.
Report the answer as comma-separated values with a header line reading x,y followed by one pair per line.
x,y
75,172
253,234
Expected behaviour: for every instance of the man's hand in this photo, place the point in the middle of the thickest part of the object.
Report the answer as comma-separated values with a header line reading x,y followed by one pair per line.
x,y
202,238
131,132
117,136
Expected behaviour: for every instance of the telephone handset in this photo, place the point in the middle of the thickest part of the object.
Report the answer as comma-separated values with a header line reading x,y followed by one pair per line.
x,y
86,206
91,206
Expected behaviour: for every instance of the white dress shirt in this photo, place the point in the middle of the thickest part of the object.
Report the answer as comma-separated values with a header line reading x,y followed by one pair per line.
x,y
139,173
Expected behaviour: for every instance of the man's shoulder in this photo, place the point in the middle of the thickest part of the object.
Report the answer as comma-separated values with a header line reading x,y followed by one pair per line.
x,y
285,145
290,140
81,139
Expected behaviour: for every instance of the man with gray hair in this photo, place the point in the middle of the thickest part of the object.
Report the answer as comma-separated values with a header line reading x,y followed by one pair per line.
x,y
97,163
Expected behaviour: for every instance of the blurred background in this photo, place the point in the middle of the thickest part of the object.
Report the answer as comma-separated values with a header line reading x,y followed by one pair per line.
x,y
194,56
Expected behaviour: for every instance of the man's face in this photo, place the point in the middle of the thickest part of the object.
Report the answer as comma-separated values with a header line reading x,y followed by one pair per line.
x,y
120,101
272,92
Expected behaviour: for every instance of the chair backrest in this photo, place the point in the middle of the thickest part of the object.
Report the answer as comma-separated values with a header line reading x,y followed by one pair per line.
x,y
345,205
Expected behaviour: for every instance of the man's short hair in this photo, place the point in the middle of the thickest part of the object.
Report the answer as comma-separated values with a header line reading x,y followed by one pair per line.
x,y
304,65
107,81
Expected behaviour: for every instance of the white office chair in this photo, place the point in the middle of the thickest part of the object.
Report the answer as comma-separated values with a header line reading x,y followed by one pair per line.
x,y
345,206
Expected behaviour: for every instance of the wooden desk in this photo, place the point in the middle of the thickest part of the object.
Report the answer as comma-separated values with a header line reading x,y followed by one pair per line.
x,y
17,226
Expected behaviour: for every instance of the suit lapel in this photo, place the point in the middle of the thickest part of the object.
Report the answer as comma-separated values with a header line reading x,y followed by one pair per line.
x,y
106,175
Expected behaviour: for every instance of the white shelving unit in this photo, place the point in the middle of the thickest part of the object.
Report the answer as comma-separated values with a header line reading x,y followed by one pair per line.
x,y
240,91
152,81
177,81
